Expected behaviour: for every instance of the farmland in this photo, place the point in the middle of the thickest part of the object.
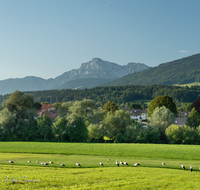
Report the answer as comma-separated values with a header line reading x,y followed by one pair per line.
x,y
150,175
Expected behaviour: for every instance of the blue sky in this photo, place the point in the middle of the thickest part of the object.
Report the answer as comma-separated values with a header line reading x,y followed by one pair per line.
x,y
49,37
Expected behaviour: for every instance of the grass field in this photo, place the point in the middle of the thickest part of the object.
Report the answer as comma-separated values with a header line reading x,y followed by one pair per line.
x,y
189,84
150,175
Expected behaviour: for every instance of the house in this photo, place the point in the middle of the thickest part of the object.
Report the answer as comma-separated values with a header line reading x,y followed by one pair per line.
x,y
180,120
139,114
52,114
183,114
47,107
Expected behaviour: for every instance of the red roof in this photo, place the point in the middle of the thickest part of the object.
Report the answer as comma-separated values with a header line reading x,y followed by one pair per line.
x,y
47,107
51,114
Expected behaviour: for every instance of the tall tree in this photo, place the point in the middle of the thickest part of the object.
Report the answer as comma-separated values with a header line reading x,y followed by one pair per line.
x,y
45,128
193,120
110,107
16,114
162,101
115,123
175,133
161,119
59,128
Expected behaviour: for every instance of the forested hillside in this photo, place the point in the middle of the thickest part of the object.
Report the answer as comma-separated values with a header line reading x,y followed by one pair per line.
x,y
85,83
182,71
117,94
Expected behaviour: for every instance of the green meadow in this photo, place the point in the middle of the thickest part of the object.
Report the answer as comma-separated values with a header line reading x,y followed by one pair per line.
x,y
149,175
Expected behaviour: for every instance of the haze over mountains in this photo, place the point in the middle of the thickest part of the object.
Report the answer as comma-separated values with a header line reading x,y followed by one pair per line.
x,y
96,71
103,73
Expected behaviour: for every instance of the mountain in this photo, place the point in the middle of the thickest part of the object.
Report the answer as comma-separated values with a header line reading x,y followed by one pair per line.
x,y
96,68
181,71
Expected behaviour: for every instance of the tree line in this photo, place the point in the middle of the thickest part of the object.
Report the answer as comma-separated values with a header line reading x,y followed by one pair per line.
x,y
118,94
85,121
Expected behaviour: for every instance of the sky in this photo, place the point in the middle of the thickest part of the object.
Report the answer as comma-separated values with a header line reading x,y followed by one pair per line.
x,y
49,37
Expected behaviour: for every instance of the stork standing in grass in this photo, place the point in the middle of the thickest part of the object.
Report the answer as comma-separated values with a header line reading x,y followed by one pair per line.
x,y
191,168
117,163
163,163
29,161
77,164
62,165
136,164
183,166
121,163
125,163
101,164
50,162
10,161
37,161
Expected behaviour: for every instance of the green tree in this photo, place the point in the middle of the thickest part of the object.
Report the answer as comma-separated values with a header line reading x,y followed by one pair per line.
x,y
162,101
110,107
115,123
161,118
77,132
59,128
16,114
56,106
193,120
188,107
80,110
95,132
37,105
190,135
45,128
175,133
135,106
44,103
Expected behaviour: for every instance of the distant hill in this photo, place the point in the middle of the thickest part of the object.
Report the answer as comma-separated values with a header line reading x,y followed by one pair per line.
x,y
84,83
96,68
181,71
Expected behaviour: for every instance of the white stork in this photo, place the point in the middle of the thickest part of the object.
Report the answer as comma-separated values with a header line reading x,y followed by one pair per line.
x,y
50,162
101,164
11,161
191,168
37,161
125,163
62,165
136,164
121,163
183,166
29,161
117,163
163,163
77,164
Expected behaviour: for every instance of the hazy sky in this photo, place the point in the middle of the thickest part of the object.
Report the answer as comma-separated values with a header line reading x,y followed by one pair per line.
x,y
46,38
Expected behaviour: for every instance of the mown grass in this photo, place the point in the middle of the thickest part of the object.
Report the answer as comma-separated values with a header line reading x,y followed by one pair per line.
x,y
183,152
150,175
98,178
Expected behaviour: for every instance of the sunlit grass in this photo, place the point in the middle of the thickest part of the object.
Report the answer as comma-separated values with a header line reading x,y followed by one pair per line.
x,y
149,175
99,178
183,152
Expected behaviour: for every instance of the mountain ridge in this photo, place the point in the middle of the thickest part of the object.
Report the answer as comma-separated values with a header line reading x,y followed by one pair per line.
x,y
180,71
96,68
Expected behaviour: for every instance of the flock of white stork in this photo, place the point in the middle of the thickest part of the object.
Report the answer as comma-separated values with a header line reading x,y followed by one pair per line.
x,y
101,164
